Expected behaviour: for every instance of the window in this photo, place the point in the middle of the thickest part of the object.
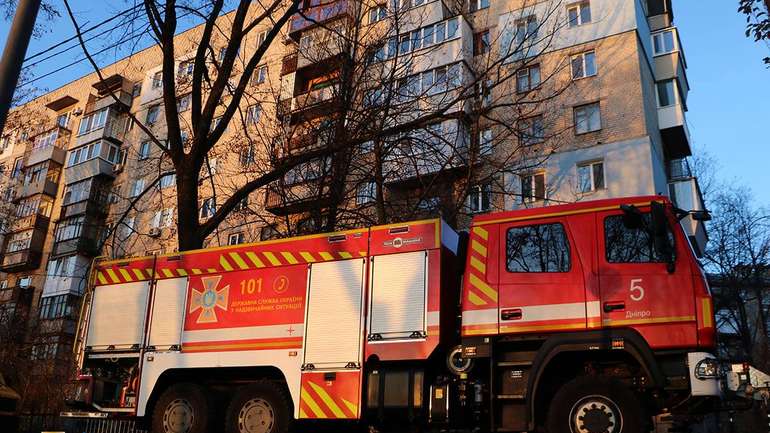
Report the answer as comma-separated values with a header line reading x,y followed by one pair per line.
x,y
136,90
152,114
63,119
18,164
84,153
221,54
242,205
366,193
185,69
486,146
137,188
183,103
476,5
235,239
531,130
532,187
583,65
481,43
587,118
526,28
253,113
247,155
19,241
93,121
527,78
55,307
167,181
157,80
479,198
77,192
631,245
69,229
579,14
115,155
144,149
666,93
163,218
208,208
378,13
261,38
127,228
590,176
539,248
260,75
663,42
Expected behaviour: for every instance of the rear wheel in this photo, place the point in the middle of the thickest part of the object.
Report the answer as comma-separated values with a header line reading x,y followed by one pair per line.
x,y
182,408
258,408
594,405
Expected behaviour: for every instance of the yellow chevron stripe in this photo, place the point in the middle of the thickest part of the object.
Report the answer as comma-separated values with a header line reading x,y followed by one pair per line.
x,y
484,287
196,271
181,272
126,275
362,253
479,248
113,276
289,257
351,407
302,413
255,259
475,300
306,256
326,256
139,274
238,260
149,273
345,255
167,272
328,400
309,402
211,270
100,277
225,264
478,265
272,258
482,233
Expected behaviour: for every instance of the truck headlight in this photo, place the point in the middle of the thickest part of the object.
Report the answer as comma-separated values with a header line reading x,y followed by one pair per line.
x,y
707,369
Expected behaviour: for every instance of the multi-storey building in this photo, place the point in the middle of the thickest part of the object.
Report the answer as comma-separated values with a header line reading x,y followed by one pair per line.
x,y
613,124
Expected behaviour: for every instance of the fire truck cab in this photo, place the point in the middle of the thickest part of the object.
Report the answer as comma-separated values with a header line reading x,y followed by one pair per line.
x,y
588,317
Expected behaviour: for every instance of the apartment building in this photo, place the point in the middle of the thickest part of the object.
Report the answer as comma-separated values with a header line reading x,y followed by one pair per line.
x,y
613,124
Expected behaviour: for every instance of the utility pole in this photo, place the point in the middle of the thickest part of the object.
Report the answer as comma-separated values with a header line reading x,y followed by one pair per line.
x,y
15,50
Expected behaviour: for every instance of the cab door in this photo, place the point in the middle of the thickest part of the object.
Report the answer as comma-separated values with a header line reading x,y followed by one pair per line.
x,y
636,286
541,278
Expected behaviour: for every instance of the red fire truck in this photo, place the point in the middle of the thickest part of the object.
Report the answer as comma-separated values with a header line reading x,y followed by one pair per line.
x,y
584,318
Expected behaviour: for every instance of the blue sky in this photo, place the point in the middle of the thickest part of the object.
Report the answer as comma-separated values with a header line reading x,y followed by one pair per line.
x,y
729,101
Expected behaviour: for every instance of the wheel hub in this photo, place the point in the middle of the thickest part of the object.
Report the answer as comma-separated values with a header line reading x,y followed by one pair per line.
x,y
595,414
178,416
256,416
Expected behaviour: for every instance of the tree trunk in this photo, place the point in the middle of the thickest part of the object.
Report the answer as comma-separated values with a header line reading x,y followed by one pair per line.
x,y
188,227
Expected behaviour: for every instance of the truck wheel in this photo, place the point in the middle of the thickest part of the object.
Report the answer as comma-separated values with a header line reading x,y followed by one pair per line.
x,y
594,405
258,408
182,408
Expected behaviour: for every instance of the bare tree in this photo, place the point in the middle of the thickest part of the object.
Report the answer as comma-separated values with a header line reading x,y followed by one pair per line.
x,y
757,20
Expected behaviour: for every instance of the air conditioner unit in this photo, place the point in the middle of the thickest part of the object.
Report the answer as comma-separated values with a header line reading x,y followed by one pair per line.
x,y
155,232
117,168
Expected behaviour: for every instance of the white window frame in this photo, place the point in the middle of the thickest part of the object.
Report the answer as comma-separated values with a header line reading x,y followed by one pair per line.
x,y
590,166
579,8
532,180
145,148
477,5
208,208
675,99
378,13
661,35
253,114
157,80
153,114
236,238
137,187
584,65
576,114
260,74
476,198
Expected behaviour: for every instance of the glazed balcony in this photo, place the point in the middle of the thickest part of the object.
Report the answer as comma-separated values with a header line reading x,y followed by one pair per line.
x,y
317,12
674,131
685,193
50,145
78,235
29,257
292,199
45,186
35,221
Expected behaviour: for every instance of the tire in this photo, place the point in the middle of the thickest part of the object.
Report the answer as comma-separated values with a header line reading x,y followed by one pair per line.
x,y
595,405
182,408
260,407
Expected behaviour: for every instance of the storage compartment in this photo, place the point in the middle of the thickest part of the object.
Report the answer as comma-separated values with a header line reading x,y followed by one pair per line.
x,y
117,317
398,296
167,317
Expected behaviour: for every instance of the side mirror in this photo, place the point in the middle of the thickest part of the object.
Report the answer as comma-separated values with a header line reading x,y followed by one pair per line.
x,y
659,230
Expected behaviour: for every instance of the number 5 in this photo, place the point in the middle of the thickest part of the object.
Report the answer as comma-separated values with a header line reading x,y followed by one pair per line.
x,y
636,287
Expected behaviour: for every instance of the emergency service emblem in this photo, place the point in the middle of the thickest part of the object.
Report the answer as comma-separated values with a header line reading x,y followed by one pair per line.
x,y
209,299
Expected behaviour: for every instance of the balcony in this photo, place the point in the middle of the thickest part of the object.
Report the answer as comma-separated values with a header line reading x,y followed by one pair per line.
x,y
319,12
92,168
292,199
43,186
49,145
113,130
674,131
78,235
314,103
659,14
35,221
685,193
86,245
289,64
28,258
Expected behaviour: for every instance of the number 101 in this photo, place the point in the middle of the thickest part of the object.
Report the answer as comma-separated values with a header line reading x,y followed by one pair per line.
x,y
248,287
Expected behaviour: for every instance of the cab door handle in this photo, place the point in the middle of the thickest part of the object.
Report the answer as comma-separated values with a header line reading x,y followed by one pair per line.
x,y
614,306
514,314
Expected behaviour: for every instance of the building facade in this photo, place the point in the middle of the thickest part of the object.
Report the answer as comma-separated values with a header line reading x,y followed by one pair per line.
x,y
611,124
